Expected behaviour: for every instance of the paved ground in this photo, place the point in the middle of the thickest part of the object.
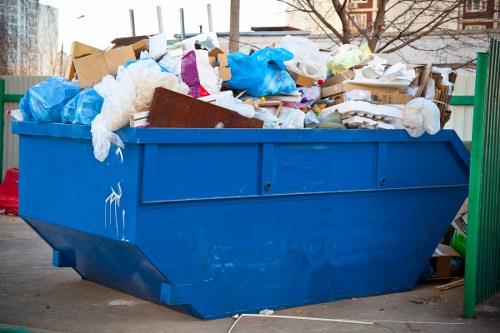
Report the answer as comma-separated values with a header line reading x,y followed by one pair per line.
x,y
36,297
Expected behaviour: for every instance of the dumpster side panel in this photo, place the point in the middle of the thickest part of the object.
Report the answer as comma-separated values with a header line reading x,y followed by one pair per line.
x,y
244,255
338,220
63,183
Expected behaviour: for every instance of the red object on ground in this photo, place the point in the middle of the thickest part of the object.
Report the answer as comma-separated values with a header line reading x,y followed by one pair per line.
x,y
9,192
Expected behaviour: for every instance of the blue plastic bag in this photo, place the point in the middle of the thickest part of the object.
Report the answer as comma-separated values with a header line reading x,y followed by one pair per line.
x,y
262,73
83,108
44,102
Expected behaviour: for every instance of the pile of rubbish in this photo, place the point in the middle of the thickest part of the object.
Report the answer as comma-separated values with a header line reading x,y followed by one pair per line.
x,y
141,82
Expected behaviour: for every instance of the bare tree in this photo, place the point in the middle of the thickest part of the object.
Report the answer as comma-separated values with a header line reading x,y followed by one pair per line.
x,y
392,24
49,58
6,43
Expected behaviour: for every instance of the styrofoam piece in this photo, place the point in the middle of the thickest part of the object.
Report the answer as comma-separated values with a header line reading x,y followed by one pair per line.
x,y
359,121
363,122
362,106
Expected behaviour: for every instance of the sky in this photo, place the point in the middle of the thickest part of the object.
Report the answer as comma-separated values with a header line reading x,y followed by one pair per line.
x,y
98,22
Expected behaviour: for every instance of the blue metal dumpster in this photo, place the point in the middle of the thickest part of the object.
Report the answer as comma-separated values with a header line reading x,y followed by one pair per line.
x,y
214,222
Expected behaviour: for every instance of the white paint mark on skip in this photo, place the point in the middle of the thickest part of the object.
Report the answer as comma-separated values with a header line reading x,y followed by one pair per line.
x,y
123,219
119,153
111,204
121,302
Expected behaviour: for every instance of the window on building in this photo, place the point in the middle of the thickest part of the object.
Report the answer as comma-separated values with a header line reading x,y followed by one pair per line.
x,y
475,27
476,5
360,20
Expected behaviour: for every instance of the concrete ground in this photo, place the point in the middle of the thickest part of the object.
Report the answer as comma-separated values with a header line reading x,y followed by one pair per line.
x,y
36,297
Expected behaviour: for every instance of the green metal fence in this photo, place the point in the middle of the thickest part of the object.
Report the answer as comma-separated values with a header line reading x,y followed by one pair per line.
x,y
4,98
482,273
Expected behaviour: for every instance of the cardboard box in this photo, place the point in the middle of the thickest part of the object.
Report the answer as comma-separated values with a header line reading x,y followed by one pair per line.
x,y
339,78
218,55
300,79
91,69
78,50
391,98
352,95
441,260
342,87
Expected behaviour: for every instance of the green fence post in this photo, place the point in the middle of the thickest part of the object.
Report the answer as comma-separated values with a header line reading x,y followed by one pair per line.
x,y
475,185
2,110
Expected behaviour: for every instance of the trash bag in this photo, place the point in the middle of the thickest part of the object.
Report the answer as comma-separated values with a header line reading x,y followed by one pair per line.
x,y
234,104
421,115
348,56
269,119
309,95
44,102
331,120
83,108
199,75
262,73
131,91
459,243
311,120
291,118
307,58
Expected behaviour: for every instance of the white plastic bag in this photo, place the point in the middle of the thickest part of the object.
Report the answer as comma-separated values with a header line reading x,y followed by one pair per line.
x,y
291,118
307,59
234,104
269,119
420,115
131,91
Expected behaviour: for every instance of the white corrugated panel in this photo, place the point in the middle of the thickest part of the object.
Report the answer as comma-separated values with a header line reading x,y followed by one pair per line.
x,y
14,85
461,117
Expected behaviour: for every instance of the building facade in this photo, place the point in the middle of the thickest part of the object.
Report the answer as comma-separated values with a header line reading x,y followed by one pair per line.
x,y
29,36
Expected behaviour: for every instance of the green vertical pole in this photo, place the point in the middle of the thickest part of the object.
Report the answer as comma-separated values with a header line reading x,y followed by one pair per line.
x,y
475,185
2,110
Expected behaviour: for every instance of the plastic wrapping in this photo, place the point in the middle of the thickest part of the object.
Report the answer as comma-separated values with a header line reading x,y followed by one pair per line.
x,y
83,108
308,59
309,95
44,102
199,75
269,119
262,73
421,115
348,56
234,104
291,118
331,120
311,120
131,91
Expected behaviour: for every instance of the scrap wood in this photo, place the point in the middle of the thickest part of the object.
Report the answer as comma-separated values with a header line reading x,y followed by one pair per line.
x,y
450,285
278,111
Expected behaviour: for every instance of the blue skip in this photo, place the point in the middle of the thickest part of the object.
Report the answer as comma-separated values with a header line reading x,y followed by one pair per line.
x,y
217,222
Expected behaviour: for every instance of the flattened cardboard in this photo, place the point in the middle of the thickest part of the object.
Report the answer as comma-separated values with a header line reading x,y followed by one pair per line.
x,y
342,87
391,98
300,79
91,69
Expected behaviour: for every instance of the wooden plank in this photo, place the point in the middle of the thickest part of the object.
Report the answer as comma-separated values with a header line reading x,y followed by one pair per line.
x,y
450,285
171,109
